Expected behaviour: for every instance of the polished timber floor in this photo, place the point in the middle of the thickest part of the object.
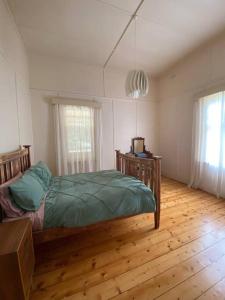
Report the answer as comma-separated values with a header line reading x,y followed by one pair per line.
x,y
184,259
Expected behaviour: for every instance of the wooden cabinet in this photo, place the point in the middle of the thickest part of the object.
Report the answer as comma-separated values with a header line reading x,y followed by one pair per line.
x,y
16,259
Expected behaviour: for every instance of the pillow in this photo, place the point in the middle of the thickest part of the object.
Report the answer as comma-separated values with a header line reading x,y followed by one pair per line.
x,y
27,192
43,172
6,201
36,177
36,217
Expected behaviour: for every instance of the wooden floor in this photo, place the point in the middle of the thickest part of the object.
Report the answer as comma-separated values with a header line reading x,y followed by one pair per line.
x,y
184,259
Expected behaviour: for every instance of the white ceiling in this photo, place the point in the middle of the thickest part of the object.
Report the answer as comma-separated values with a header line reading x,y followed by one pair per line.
x,y
87,30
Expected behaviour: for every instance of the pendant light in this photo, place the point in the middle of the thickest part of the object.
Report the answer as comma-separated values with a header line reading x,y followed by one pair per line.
x,y
137,82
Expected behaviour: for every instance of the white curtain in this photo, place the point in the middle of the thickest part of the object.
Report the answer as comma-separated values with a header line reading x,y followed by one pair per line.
x,y
208,151
78,138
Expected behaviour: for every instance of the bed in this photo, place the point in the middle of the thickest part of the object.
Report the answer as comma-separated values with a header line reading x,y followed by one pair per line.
x,y
77,202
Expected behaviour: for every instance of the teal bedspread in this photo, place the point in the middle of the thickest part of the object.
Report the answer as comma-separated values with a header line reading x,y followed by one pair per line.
x,y
88,198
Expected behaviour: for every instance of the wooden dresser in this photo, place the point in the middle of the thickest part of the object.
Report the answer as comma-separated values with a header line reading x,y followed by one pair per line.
x,y
16,259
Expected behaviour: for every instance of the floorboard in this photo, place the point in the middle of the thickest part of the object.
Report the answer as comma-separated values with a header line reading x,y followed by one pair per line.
x,y
128,259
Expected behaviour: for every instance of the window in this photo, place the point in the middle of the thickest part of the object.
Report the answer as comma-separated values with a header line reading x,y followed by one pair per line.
x,y
78,137
208,154
79,128
214,124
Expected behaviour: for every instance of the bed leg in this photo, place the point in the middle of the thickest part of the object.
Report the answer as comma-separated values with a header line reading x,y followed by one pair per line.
x,y
157,190
157,219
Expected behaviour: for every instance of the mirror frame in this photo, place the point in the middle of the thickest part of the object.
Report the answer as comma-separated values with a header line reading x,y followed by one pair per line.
x,y
138,139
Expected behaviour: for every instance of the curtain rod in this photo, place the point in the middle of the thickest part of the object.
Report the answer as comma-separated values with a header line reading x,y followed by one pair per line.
x,y
74,101
123,33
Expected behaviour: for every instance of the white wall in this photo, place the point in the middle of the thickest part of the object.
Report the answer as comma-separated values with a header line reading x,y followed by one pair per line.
x,y
15,110
123,118
177,92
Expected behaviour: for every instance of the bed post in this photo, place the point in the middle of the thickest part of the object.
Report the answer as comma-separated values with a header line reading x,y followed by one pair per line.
x,y
157,189
28,150
118,165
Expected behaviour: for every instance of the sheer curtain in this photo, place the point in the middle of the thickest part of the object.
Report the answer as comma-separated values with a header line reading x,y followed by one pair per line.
x,y
78,138
208,153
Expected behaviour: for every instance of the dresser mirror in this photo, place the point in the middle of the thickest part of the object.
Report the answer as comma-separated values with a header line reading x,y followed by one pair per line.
x,y
138,145
138,148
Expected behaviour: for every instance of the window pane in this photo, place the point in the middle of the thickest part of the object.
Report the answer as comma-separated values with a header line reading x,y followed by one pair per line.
x,y
79,126
213,124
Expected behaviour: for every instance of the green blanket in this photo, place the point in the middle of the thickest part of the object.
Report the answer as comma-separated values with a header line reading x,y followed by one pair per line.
x,y
88,198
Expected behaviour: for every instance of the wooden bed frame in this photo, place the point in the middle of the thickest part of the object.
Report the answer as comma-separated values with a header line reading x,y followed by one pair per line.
x,y
147,170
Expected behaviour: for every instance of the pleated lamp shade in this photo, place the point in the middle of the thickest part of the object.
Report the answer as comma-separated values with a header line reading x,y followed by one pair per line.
x,y
137,84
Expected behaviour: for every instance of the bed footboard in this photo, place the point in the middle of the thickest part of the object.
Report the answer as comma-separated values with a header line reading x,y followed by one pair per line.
x,y
147,170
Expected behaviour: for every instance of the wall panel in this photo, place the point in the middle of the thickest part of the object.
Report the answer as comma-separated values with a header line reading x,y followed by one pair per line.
x,y
15,110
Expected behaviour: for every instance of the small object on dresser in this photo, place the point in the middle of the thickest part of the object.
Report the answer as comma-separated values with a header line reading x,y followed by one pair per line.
x,y
137,148
16,259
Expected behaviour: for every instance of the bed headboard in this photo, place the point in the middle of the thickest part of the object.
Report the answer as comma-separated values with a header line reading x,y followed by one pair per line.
x,y
12,163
